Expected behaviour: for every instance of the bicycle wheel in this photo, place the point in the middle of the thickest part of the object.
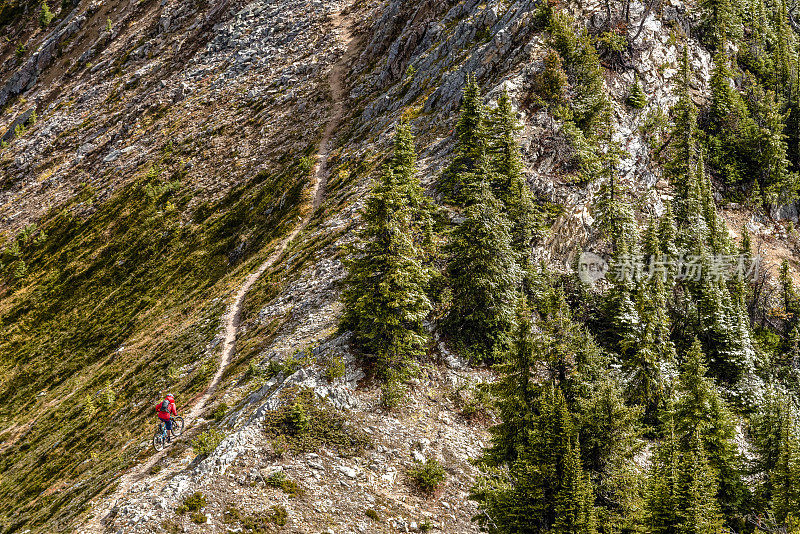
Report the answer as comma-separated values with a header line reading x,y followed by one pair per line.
x,y
160,438
177,425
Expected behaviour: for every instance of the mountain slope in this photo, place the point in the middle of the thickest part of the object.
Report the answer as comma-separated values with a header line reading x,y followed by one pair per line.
x,y
175,215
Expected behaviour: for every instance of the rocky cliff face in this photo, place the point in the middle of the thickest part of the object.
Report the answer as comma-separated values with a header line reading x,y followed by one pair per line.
x,y
221,98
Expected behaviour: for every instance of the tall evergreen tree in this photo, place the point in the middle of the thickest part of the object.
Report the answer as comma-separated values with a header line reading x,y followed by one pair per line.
x,y
463,178
680,497
484,277
508,183
777,184
653,355
683,151
385,295
700,513
404,166
719,21
574,503
788,297
781,52
662,505
785,474
610,433
544,489
700,410
517,391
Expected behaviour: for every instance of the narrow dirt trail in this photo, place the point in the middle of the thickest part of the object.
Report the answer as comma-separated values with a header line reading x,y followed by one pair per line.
x,y
232,317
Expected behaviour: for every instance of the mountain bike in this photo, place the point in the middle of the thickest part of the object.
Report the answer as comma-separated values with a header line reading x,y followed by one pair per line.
x,y
160,437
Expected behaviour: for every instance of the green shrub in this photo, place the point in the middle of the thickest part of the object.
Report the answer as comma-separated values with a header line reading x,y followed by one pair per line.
x,y
428,476
279,445
475,403
220,412
335,369
45,15
298,419
372,514
254,370
393,392
258,524
207,441
279,480
199,518
612,42
193,503
425,526
278,515
636,98
323,425
21,270
550,84
231,515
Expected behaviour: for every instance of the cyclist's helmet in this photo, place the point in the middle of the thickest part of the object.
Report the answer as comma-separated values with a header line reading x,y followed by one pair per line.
x,y
170,397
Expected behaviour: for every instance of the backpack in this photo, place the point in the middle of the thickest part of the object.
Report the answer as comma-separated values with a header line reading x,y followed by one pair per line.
x,y
165,405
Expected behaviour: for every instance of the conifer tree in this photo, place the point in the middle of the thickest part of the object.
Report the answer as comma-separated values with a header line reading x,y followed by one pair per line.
x,y
695,236
667,237
719,19
781,58
662,504
788,296
45,15
574,503
591,108
722,95
517,391
654,351
683,146
699,409
773,162
786,472
636,99
484,278
681,490
700,513
571,358
385,295
404,166
508,183
544,489
773,437
610,432
463,178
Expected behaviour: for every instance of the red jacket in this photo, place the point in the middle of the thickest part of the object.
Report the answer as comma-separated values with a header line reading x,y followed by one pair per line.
x,y
164,416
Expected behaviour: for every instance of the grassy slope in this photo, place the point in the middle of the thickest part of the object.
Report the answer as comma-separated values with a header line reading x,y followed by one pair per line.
x,y
109,311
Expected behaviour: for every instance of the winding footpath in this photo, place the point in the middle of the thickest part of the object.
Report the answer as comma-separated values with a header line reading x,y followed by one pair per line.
x,y
232,317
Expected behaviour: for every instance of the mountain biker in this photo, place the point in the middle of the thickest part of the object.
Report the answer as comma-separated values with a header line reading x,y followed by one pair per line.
x,y
166,409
